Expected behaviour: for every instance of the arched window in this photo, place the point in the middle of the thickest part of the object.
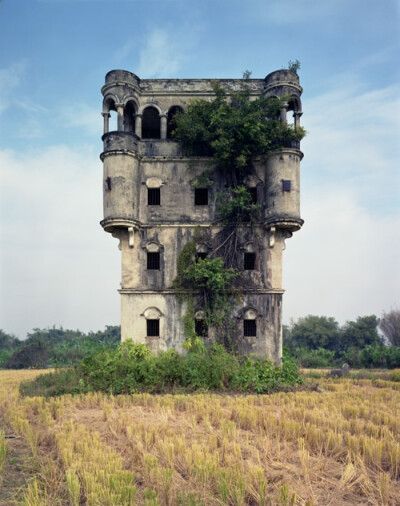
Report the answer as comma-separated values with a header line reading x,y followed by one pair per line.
x,y
153,259
171,119
249,257
250,323
111,120
200,325
201,251
129,116
152,316
151,126
153,191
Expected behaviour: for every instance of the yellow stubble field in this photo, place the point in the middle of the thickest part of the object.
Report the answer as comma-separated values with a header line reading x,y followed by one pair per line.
x,y
337,445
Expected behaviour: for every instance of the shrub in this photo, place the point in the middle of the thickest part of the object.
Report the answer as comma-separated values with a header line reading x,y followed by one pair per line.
x,y
132,368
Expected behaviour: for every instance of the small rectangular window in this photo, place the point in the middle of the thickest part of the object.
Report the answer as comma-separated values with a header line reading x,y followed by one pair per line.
x,y
153,328
201,197
253,194
249,328
201,328
286,185
249,261
153,196
153,260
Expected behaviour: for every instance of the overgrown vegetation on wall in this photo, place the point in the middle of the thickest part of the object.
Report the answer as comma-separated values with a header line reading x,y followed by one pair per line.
x,y
232,129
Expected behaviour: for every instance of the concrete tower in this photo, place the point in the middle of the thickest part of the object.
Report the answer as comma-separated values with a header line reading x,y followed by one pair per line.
x,y
153,208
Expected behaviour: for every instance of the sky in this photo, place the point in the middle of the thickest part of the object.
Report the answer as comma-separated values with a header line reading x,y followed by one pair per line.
x,y
58,267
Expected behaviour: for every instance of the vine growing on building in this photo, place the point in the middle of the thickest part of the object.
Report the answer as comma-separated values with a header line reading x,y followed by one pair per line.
x,y
232,129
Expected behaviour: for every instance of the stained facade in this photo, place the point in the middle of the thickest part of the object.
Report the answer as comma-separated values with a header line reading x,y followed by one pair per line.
x,y
152,207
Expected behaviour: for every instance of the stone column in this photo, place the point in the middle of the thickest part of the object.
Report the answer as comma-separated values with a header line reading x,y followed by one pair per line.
x,y
283,115
106,116
297,116
163,130
138,125
120,111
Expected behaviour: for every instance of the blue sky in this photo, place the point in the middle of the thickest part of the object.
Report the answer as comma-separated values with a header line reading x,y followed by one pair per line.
x,y
57,265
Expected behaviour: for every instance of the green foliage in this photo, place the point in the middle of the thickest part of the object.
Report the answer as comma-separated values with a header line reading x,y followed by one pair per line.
x,y
56,347
359,333
315,358
294,66
233,129
205,284
129,369
314,332
237,206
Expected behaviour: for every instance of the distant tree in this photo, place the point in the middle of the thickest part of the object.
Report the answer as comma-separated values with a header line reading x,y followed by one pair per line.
x,y
34,355
315,332
390,326
360,333
8,341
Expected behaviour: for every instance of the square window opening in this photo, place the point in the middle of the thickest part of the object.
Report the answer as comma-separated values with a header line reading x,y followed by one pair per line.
x,y
201,328
153,328
153,261
153,196
286,185
249,328
201,197
249,261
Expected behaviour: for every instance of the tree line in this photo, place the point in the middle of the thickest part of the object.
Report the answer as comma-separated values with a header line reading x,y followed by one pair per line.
x,y
319,341
54,347
314,341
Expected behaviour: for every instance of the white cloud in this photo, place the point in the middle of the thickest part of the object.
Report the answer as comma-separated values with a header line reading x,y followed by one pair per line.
x,y
354,141
57,265
345,262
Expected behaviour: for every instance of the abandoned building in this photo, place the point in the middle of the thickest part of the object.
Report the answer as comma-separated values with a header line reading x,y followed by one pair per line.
x,y
152,207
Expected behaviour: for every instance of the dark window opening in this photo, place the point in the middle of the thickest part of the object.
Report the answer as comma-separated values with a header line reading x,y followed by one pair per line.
x,y
153,196
249,328
253,194
153,260
171,125
201,328
201,255
286,185
153,328
249,261
108,183
201,197
151,128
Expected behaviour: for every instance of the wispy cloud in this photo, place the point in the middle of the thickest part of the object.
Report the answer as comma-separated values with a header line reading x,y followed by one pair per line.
x,y
164,50
83,117
10,79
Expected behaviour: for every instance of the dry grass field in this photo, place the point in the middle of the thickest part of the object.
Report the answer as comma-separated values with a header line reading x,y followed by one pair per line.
x,y
339,444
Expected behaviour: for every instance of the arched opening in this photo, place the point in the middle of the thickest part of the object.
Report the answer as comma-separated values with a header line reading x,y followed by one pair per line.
x,y
111,121
151,128
129,116
171,123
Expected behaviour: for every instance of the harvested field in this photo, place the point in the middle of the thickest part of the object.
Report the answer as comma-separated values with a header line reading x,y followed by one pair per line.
x,y
339,444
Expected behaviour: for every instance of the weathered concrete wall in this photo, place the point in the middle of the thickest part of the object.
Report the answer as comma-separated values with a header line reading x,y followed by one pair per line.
x,y
132,165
